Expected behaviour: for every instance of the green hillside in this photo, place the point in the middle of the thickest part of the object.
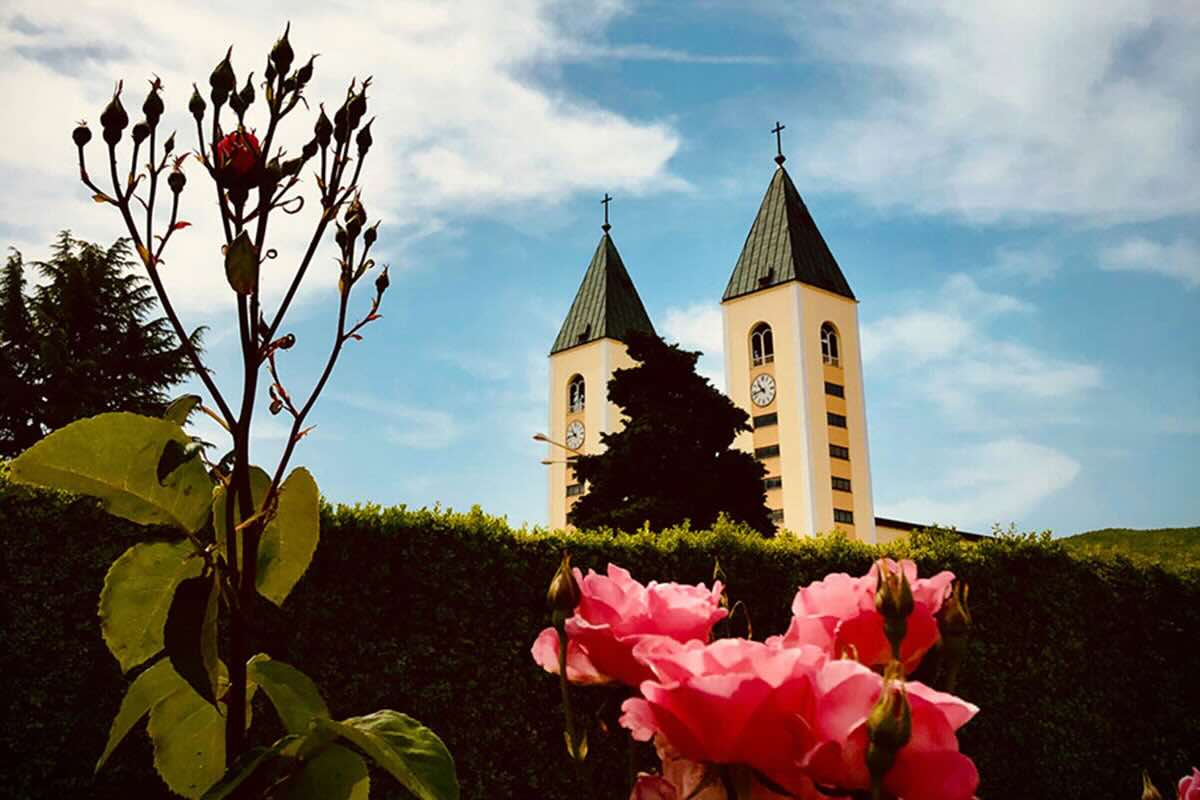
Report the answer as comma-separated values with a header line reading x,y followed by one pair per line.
x,y
1171,547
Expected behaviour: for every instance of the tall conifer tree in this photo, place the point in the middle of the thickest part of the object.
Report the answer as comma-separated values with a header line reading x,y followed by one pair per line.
x,y
673,459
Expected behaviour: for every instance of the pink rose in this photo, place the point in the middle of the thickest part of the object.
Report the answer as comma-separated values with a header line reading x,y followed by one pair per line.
x,y
733,701
838,615
615,613
682,779
1189,786
929,767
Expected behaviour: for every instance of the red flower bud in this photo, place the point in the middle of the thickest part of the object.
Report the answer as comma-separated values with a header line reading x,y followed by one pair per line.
x,y
237,157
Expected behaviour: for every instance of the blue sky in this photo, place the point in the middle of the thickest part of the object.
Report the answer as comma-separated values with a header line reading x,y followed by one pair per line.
x,y
1013,193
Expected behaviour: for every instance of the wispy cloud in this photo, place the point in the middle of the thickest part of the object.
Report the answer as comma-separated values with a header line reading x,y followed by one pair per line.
x,y
1008,110
649,52
1032,266
406,425
1178,260
995,482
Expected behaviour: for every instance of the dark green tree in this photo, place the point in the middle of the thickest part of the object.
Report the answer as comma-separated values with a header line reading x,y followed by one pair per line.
x,y
673,459
84,342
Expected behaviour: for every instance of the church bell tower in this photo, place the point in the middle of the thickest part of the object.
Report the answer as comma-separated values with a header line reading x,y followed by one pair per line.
x,y
589,348
793,363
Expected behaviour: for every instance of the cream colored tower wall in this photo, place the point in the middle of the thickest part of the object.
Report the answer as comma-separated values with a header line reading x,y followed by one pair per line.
x,y
780,307
818,307
595,361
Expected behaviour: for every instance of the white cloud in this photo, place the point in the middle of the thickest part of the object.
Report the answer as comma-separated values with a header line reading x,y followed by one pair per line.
x,y
699,327
470,115
996,482
405,425
1178,260
1033,266
994,110
943,348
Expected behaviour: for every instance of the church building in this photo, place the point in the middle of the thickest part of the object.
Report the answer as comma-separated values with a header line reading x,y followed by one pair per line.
x,y
792,363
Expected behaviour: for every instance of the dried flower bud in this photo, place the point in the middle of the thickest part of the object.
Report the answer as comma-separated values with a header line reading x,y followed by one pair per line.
x,y
323,129
222,80
310,149
196,105
364,139
153,107
382,282
81,135
282,54
140,131
176,181
305,73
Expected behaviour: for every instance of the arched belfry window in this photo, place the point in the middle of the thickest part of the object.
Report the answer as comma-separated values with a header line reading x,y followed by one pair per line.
x,y
762,345
829,345
575,395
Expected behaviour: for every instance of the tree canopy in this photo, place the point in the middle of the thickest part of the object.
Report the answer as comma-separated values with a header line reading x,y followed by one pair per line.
x,y
673,459
85,341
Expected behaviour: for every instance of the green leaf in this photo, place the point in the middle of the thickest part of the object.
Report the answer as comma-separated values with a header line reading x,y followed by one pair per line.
x,y
181,408
294,695
174,456
412,753
137,594
114,458
290,538
147,689
288,543
241,264
253,764
335,774
190,635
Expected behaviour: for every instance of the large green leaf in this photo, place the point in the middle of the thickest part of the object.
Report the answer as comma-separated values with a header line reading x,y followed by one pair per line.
x,y
151,686
241,264
257,763
137,594
335,774
412,753
114,458
181,408
291,538
190,635
294,695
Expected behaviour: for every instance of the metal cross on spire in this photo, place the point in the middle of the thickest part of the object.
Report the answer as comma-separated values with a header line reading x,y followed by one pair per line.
x,y
777,130
607,199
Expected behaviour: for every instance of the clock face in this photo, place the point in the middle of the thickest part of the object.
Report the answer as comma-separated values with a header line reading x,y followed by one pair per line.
x,y
762,390
575,435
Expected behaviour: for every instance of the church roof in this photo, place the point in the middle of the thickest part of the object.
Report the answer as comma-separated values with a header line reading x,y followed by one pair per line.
x,y
785,245
606,305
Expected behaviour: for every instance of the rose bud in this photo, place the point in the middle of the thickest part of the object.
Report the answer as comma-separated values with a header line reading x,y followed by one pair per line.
x,y
564,593
237,156
382,283
81,135
169,144
281,53
894,602
176,181
305,73
247,94
310,150
114,119
222,80
323,129
889,726
140,132
153,107
340,237
357,107
269,73
341,130
364,139
196,105
371,234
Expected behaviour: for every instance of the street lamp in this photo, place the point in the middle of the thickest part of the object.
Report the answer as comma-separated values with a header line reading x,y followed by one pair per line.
x,y
541,437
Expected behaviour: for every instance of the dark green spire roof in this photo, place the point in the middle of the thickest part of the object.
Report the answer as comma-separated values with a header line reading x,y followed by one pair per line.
x,y
606,305
785,245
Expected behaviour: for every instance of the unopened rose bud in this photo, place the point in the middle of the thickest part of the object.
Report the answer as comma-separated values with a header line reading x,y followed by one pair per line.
x,y
140,131
323,129
382,282
340,237
564,593
196,105
310,149
889,725
357,108
371,234
305,73
169,145
364,139
247,94
341,128
954,626
282,54
153,107
269,73
222,80
114,119
894,602
81,135
176,181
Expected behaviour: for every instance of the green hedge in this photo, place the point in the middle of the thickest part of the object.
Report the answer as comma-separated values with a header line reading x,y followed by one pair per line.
x,y
1086,669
